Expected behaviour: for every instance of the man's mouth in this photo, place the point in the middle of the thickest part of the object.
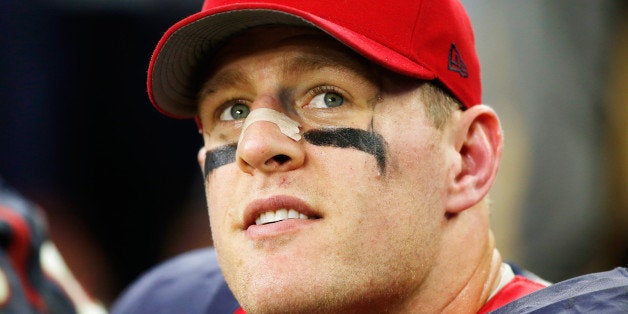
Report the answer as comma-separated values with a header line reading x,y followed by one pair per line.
x,y
268,217
279,215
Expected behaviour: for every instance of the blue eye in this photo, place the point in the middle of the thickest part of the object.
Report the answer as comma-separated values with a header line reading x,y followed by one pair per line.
x,y
327,100
235,112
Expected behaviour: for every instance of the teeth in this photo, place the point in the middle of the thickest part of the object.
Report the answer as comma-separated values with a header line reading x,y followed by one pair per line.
x,y
279,215
293,214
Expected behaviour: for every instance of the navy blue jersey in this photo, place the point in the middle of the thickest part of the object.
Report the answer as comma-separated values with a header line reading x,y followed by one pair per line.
x,y
189,283
605,292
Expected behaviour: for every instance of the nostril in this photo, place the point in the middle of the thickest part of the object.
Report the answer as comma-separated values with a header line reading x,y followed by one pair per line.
x,y
278,159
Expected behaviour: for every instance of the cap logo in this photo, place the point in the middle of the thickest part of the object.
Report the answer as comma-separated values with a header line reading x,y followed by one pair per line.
x,y
456,64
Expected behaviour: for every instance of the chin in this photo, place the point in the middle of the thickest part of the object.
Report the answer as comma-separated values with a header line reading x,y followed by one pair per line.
x,y
296,306
276,296
315,302
272,293
312,295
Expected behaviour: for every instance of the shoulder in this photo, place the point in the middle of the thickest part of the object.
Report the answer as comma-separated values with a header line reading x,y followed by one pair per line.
x,y
604,292
189,283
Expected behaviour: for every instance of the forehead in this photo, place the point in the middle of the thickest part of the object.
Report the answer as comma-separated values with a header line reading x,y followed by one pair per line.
x,y
307,46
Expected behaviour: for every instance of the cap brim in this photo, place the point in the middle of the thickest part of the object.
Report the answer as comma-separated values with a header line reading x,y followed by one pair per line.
x,y
174,74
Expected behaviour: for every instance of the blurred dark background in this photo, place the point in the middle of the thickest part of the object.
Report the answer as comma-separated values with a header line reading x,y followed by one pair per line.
x,y
120,183
79,136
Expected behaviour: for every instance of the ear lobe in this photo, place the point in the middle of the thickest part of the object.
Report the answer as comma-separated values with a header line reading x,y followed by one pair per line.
x,y
478,140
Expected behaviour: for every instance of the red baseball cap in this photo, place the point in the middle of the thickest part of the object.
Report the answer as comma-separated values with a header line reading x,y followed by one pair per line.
x,y
424,39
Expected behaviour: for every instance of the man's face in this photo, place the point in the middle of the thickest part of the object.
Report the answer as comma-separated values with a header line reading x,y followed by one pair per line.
x,y
349,216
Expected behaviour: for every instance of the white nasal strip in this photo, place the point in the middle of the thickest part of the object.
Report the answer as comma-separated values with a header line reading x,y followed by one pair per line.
x,y
288,127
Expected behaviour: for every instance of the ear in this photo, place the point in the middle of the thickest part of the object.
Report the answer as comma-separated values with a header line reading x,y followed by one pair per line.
x,y
202,154
477,139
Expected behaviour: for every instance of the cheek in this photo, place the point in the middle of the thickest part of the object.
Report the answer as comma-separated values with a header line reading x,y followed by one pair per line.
x,y
220,195
220,199
417,162
417,169
212,209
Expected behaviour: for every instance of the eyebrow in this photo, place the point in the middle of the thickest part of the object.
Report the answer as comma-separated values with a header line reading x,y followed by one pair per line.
x,y
222,80
344,59
311,62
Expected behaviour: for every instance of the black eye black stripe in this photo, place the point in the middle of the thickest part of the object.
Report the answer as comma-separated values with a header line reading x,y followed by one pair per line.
x,y
366,141
218,157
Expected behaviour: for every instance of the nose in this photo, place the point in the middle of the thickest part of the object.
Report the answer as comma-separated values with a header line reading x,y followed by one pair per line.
x,y
265,148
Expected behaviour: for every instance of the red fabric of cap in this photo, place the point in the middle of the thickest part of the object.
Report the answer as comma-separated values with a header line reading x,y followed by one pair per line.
x,y
428,39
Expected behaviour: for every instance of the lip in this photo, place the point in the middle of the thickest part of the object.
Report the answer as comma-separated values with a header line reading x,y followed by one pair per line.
x,y
273,203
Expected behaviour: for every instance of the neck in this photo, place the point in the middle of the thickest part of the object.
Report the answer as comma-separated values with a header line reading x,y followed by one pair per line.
x,y
467,268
